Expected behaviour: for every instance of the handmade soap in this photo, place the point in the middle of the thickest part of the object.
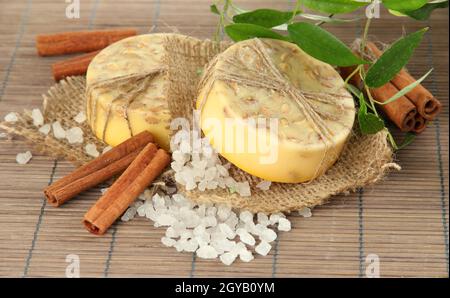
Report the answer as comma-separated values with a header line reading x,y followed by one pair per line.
x,y
274,111
127,90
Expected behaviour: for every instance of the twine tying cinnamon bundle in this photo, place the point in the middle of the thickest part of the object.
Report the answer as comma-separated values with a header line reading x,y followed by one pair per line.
x,y
411,112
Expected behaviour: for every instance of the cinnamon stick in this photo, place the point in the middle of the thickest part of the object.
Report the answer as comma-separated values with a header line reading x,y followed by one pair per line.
x,y
142,171
421,124
60,195
79,42
72,67
119,156
401,111
427,105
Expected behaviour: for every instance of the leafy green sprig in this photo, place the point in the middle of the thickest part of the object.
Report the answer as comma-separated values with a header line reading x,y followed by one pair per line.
x,y
240,24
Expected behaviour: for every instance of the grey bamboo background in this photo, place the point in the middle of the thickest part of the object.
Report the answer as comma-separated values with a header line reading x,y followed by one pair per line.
x,y
404,219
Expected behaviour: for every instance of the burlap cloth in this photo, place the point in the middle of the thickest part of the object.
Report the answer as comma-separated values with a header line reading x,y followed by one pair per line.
x,y
365,159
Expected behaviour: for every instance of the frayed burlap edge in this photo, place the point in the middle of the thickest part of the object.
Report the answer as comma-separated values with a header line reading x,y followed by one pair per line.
x,y
364,161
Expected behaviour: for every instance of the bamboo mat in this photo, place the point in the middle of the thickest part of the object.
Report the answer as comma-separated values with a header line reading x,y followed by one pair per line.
x,y
402,220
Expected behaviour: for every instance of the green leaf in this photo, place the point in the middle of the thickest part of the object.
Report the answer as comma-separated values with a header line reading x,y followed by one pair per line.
x,y
333,6
326,19
393,59
322,45
213,8
369,123
404,5
406,89
238,32
425,11
409,138
264,17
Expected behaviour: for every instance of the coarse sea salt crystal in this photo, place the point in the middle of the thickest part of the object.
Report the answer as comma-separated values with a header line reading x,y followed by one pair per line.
x,y
172,233
58,130
210,221
191,245
23,158
222,170
141,210
246,256
210,173
151,214
284,225
243,188
74,135
45,129
246,216
180,157
268,235
275,217
202,185
176,166
199,230
80,117
262,219
207,252
245,237
228,258
264,185
11,117
129,214
232,220
179,245
37,117
227,230
259,229
91,150
169,242
305,212
165,219
223,212
238,248
263,248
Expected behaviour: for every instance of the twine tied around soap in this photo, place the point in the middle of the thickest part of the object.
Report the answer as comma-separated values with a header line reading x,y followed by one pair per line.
x,y
269,77
130,86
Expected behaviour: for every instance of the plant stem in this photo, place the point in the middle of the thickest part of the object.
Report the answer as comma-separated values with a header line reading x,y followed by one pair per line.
x,y
357,69
296,9
323,22
364,38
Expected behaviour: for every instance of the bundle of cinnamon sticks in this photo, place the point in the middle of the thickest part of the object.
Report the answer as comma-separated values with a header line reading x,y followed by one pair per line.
x,y
90,42
141,161
411,112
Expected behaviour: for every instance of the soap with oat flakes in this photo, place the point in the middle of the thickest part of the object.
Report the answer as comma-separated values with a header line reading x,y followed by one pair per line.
x,y
274,111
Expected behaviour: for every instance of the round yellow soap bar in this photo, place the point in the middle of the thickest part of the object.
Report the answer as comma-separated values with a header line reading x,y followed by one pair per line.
x,y
274,111
118,107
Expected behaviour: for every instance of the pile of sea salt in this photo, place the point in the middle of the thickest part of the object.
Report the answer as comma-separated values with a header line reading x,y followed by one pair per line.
x,y
198,166
209,230
73,135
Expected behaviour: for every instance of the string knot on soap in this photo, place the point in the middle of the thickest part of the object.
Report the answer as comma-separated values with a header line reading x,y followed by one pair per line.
x,y
257,69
